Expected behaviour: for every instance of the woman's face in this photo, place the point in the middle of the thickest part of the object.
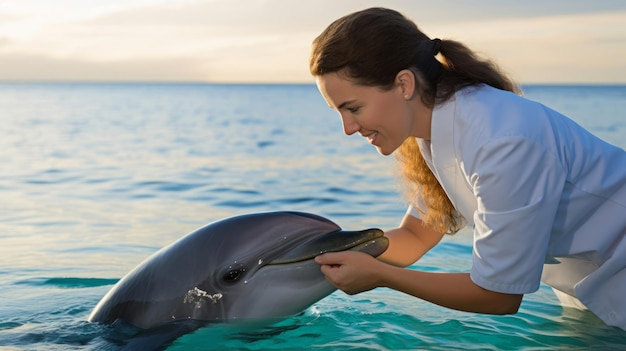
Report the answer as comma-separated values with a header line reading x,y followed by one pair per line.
x,y
385,118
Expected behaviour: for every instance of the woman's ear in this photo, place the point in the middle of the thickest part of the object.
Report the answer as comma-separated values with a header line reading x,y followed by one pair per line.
x,y
405,81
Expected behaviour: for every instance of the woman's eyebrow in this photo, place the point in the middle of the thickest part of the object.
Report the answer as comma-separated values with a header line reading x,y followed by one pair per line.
x,y
343,104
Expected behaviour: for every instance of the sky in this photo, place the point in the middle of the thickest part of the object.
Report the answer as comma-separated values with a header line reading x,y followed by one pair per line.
x,y
268,41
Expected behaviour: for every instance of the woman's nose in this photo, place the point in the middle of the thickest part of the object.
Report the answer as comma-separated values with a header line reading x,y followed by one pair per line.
x,y
350,125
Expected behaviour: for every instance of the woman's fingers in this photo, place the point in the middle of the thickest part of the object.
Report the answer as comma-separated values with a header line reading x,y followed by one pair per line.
x,y
331,258
348,271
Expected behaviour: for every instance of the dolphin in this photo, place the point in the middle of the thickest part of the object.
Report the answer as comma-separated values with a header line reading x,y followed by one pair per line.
x,y
256,266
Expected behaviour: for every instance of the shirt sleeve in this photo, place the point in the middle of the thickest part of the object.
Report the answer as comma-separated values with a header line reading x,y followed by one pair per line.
x,y
518,186
413,212
417,212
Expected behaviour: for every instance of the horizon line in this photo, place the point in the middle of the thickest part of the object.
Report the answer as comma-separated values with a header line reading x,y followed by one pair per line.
x,y
199,82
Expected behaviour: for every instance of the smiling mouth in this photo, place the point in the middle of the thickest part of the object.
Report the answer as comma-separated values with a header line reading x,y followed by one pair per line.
x,y
370,241
372,137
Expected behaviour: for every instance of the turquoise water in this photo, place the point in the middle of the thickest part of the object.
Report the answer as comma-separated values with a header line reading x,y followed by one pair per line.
x,y
96,177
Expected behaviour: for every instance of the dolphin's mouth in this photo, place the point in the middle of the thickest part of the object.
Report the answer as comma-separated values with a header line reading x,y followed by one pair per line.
x,y
371,241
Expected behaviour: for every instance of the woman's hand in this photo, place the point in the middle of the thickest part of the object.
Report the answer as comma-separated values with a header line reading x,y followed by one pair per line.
x,y
354,272
350,271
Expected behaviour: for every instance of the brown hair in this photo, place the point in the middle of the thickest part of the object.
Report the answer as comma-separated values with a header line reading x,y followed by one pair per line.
x,y
371,47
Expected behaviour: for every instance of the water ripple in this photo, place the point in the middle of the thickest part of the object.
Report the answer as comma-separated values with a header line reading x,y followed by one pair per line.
x,y
96,177
67,282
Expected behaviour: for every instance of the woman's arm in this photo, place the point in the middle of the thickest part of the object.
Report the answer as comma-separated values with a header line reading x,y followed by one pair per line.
x,y
355,272
409,242
451,290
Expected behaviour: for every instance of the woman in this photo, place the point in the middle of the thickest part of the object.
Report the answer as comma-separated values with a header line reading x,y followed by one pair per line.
x,y
544,196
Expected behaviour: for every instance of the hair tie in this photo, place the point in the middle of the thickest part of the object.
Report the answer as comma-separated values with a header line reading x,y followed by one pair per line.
x,y
436,46
426,61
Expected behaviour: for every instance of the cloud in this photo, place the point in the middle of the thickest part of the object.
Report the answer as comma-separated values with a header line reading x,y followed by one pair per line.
x,y
269,40
41,68
561,48
232,63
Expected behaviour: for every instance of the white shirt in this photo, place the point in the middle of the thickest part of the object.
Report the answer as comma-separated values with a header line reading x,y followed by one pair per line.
x,y
538,188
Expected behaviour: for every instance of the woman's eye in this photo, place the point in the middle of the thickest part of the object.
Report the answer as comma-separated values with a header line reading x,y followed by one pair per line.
x,y
352,109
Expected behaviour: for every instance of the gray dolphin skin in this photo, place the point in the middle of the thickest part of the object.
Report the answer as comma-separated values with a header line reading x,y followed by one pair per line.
x,y
248,267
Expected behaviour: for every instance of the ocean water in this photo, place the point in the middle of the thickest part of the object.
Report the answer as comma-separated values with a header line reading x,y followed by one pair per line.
x,y
96,177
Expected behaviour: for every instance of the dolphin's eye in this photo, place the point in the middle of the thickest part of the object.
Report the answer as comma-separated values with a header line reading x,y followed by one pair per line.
x,y
233,275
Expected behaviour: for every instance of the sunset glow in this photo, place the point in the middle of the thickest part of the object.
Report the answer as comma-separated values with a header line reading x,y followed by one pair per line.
x,y
269,41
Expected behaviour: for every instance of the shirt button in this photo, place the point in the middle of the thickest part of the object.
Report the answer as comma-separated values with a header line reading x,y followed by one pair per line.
x,y
612,316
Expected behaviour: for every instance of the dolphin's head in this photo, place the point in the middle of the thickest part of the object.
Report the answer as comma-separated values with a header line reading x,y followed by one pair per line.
x,y
265,268
282,279
255,266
